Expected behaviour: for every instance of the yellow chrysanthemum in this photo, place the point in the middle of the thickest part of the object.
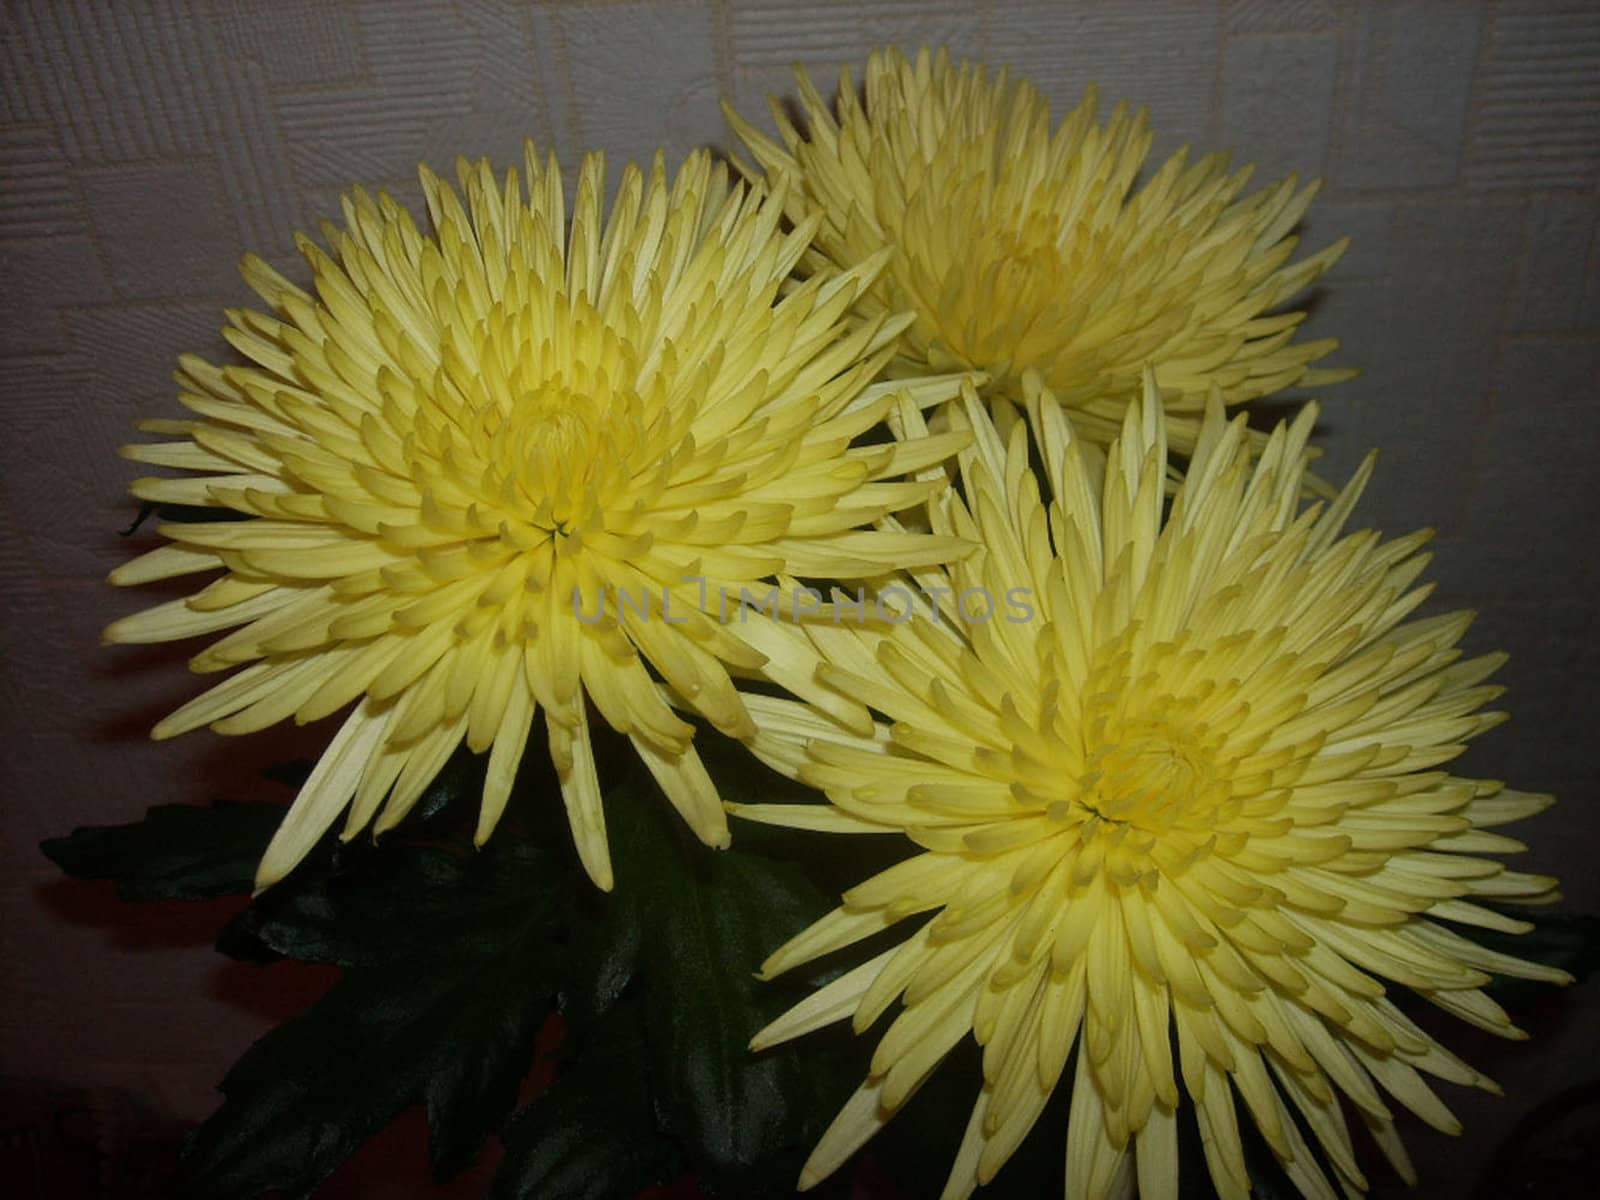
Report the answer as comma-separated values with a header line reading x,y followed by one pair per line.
x,y
1189,775
1021,248
483,462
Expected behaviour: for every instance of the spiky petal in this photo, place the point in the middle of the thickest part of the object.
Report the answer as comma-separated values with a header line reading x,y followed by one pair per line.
x,y
1189,775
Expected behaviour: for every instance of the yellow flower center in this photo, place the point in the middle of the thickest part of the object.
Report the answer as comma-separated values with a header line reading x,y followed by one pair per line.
x,y
533,444
1150,769
1150,781
1014,295
568,453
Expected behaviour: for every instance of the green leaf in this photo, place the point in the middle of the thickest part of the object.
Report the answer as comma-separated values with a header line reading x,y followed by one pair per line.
x,y
592,1135
450,968
178,852
675,949
401,902
702,923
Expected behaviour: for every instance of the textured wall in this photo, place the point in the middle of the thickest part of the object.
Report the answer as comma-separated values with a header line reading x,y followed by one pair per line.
x,y
144,146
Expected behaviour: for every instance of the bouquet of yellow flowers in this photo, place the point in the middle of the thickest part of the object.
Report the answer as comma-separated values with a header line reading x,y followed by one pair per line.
x,y
893,479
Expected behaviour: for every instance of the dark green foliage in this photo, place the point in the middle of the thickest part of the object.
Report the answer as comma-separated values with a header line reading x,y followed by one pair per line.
x,y
452,958
679,942
456,1035
178,852
593,1133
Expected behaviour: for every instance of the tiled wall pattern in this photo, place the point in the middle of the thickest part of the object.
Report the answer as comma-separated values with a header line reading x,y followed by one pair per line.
x,y
144,145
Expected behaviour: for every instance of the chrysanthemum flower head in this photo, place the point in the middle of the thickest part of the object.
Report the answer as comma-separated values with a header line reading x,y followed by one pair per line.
x,y
1021,247
497,468
1188,775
